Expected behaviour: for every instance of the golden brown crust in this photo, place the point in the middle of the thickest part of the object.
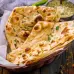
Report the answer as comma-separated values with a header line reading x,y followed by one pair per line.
x,y
22,20
38,45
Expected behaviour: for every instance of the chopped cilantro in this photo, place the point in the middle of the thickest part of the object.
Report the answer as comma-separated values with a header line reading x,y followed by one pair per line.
x,y
13,29
15,40
62,13
57,27
28,28
49,38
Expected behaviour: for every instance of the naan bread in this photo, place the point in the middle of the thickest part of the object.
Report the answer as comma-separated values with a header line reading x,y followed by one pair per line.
x,y
38,35
22,20
45,39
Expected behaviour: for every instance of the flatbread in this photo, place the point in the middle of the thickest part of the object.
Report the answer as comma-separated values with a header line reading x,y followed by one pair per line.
x,y
45,39
22,20
38,35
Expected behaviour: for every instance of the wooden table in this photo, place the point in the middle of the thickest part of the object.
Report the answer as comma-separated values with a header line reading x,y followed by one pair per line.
x,y
44,70
52,68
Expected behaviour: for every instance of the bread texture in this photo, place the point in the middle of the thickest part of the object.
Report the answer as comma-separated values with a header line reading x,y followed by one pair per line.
x,y
22,20
44,39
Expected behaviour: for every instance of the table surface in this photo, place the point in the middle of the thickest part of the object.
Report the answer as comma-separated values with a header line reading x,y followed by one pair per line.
x,y
38,71
44,70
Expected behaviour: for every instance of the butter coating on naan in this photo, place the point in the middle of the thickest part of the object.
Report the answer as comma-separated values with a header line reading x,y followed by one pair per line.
x,y
31,47
45,39
22,20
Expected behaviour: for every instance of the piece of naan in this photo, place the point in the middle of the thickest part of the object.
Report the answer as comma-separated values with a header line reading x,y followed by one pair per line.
x,y
22,20
45,39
